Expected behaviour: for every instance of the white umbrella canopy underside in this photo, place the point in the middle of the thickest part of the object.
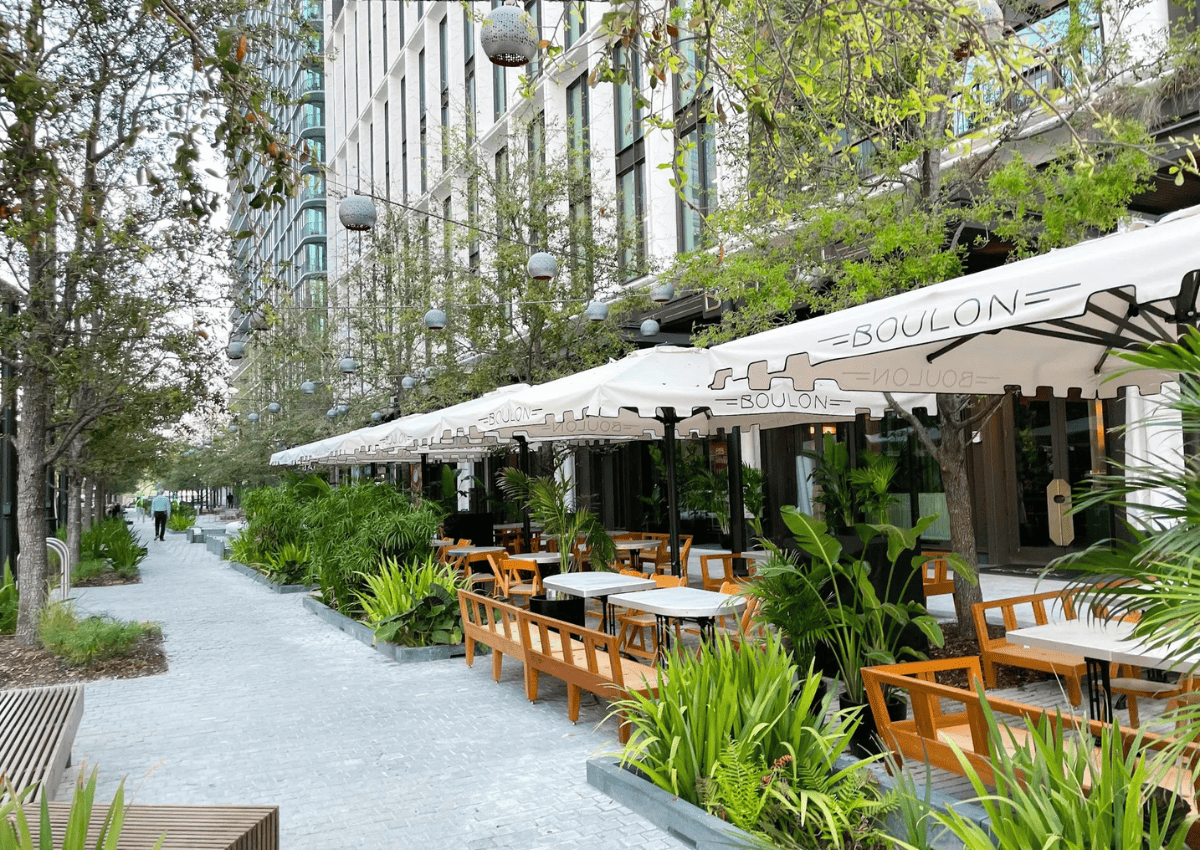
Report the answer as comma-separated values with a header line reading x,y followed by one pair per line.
x,y
1048,321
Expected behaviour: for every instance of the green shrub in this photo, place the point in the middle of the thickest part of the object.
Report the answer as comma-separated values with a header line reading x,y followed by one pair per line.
x,y
8,602
291,565
180,521
184,511
95,638
728,732
90,568
413,604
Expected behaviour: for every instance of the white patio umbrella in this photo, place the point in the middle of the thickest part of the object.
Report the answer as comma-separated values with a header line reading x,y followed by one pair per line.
x,y
657,393
1049,321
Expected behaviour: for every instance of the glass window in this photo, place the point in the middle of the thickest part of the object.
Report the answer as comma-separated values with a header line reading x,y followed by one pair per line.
x,y
695,196
423,129
627,113
534,8
403,139
630,213
576,23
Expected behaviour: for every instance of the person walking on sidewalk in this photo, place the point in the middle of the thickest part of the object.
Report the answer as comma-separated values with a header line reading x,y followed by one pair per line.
x,y
161,508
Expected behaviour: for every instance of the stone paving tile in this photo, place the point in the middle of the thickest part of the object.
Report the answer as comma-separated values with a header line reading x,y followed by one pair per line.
x,y
264,703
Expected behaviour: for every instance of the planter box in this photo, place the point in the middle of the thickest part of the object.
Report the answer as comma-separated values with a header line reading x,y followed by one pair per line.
x,y
364,633
215,544
699,829
195,535
252,573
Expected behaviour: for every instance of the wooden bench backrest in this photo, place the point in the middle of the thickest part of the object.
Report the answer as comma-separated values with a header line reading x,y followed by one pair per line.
x,y
937,579
37,729
575,654
1042,606
488,620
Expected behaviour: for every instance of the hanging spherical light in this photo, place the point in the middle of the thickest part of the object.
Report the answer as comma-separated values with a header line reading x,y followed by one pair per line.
x,y
662,293
232,429
435,319
308,388
348,365
331,412
208,441
274,407
376,416
236,349
509,36
597,311
650,328
356,212
542,266
408,382
252,418
343,409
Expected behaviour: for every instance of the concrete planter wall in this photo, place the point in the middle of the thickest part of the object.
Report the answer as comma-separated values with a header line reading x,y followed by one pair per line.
x,y
698,828
252,573
364,634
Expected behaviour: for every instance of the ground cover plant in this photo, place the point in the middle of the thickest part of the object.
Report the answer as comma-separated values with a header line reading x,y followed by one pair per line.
x,y
739,733
82,640
413,604
111,539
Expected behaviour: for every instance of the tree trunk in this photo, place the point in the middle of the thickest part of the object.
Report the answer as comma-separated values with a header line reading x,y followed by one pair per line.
x,y
98,503
952,458
31,512
85,509
74,516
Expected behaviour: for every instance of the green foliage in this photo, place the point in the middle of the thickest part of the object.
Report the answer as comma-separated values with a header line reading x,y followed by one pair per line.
x,y
14,825
413,604
89,568
95,638
863,629
8,602
849,494
110,539
292,564
791,602
1073,790
725,718
546,499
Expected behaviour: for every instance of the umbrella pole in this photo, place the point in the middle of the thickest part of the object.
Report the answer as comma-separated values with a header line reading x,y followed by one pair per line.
x,y
526,531
669,420
737,503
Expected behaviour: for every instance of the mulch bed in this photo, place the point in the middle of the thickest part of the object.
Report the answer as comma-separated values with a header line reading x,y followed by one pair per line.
x,y
27,667
108,579
957,645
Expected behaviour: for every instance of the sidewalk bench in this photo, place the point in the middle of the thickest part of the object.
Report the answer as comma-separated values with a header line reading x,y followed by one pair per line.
x,y
37,729
996,651
185,827
586,660
945,717
492,623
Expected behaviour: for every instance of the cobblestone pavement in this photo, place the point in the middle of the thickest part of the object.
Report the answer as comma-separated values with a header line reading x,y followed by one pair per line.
x,y
265,704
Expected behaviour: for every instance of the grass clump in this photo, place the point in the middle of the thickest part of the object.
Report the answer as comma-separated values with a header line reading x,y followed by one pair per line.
x,y
96,638
89,568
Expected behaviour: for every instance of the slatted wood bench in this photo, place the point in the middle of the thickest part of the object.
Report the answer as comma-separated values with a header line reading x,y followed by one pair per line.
x,y
37,729
184,827
947,718
492,623
586,659
996,651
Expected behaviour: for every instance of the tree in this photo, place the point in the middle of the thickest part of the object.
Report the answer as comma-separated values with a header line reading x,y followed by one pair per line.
x,y
879,148
106,110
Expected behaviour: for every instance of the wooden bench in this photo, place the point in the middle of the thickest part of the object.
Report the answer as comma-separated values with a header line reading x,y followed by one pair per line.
x,y
996,651
947,718
494,624
587,660
184,827
37,729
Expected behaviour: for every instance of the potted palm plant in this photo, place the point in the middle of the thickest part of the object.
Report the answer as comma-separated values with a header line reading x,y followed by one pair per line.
x,y
870,621
546,500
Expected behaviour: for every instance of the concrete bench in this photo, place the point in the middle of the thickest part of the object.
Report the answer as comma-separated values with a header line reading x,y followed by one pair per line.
x,y
996,651
37,729
184,827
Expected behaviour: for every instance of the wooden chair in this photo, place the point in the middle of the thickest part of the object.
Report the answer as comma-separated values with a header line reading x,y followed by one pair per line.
x,y
443,551
936,579
747,628
521,578
726,561
663,565
635,625
651,557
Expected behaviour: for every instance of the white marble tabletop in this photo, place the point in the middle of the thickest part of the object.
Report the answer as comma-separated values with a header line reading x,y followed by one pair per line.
x,y
636,544
1104,641
593,584
681,602
460,551
537,557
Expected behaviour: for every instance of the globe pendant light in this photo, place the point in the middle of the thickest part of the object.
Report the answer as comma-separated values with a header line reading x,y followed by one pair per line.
x,y
650,328
408,382
343,409
597,311
356,212
662,293
331,412
236,349
435,319
308,388
252,418
509,36
542,266
376,416
232,429
273,407
348,365
258,320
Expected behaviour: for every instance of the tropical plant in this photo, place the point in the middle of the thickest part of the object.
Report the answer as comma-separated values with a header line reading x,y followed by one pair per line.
x,y
292,564
791,602
1077,790
180,521
16,835
851,493
111,539
546,499
81,641
413,604
754,497
863,629
726,717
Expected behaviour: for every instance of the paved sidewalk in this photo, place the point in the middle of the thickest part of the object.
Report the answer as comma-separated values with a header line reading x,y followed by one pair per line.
x,y
265,704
